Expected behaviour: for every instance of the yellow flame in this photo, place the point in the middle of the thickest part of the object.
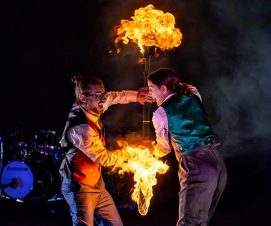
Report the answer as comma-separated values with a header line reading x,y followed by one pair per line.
x,y
149,27
144,166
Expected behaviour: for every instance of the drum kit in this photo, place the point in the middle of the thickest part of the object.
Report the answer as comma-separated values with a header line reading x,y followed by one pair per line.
x,y
29,170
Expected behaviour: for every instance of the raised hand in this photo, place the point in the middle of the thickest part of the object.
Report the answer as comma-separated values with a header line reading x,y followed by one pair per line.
x,y
143,95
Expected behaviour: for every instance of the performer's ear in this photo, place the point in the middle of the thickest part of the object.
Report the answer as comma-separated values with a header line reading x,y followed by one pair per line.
x,y
164,89
83,98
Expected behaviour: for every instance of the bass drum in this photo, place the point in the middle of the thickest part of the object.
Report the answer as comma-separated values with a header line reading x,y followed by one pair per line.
x,y
17,180
35,179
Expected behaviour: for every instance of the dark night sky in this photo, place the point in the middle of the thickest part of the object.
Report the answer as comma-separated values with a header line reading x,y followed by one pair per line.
x,y
225,53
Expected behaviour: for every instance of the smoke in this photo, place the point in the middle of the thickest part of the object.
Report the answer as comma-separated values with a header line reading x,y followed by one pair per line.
x,y
240,74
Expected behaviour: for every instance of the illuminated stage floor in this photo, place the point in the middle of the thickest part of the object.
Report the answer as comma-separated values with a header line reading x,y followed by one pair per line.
x,y
19,215
246,201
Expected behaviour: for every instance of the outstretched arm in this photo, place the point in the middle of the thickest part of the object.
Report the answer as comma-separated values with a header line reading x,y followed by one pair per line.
x,y
88,141
126,96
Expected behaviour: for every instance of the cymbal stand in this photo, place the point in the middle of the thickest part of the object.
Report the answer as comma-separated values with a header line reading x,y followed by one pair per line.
x,y
1,159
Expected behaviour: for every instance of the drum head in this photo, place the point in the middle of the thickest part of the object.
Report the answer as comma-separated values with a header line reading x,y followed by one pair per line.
x,y
17,179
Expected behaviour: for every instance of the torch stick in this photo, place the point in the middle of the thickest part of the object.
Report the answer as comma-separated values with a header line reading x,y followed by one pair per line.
x,y
146,106
148,52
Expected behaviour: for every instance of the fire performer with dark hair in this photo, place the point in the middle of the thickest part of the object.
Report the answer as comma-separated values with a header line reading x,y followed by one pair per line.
x,y
181,124
83,138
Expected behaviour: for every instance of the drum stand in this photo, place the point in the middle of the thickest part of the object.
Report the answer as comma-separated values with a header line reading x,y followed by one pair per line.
x,y
57,197
1,161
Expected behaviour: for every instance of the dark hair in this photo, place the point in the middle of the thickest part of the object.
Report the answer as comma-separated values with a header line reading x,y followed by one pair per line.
x,y
170,79
81,84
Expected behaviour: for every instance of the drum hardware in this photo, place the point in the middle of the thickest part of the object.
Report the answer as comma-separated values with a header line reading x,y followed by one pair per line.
x,y
57,197
45,138
29,170
23,150
3,196
1,154
14,183
1,159
31,180
46,143
13,148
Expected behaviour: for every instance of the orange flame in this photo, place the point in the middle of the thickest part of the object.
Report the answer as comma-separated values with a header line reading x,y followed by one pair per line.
x,y
149,27
144,166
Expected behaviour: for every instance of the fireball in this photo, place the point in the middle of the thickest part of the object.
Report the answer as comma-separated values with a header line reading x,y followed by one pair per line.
x,y
144,166
149,27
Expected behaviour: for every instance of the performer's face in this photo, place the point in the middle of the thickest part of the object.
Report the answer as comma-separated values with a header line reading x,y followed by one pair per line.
x,y
95,99
157,93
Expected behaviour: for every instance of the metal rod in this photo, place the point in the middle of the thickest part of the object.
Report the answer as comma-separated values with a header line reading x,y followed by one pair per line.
x,y
146,106
1,153
1,159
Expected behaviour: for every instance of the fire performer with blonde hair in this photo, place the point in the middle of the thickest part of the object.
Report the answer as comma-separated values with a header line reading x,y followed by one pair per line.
x,y
181,124
83,138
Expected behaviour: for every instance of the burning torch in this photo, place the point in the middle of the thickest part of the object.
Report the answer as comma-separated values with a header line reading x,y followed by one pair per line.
x,y
151,29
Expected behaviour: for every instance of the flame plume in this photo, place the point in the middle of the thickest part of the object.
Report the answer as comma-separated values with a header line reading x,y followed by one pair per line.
x,y
144,167
149,27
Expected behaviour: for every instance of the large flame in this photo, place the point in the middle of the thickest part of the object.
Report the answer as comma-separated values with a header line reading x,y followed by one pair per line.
x,y
144,166
149,27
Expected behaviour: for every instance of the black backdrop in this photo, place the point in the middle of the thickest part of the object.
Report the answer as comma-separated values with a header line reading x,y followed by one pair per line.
x,y
225,53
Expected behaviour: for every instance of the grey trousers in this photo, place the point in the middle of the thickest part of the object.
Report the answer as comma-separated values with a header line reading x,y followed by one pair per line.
x,y
84,200
202,177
